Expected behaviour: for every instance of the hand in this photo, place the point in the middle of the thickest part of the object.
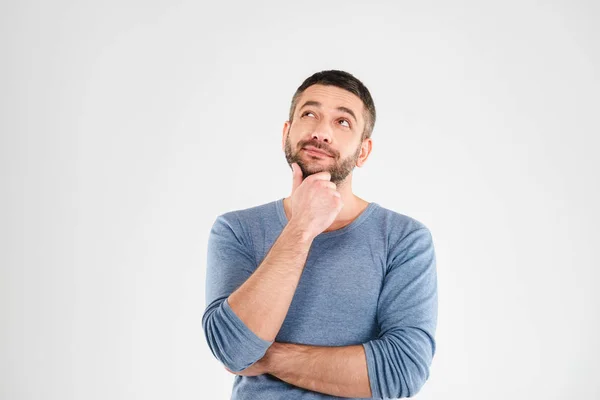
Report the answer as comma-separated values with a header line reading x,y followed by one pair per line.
x,y
315,201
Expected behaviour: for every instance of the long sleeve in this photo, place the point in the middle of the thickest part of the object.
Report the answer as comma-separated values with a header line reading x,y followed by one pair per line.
x,y
398,360
229,265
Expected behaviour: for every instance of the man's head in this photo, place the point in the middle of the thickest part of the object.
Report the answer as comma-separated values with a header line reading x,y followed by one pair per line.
x,y
331,111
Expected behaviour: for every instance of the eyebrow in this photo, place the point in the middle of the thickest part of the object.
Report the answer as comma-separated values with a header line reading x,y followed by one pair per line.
x,y
340,108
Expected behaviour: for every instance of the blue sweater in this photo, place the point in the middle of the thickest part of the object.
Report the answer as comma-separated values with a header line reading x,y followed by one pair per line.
x,y
372,282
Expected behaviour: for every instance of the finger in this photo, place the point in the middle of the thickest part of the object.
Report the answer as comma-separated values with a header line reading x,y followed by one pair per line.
x,y
296,177
327,184
324,175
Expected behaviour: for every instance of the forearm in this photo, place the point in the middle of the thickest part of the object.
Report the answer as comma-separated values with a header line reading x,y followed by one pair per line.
x,y
337,371
263,300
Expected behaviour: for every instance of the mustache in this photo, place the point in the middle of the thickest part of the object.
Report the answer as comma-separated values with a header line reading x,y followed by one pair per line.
x,y
318,146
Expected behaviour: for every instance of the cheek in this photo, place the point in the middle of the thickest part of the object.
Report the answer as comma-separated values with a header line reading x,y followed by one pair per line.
x,y
304,124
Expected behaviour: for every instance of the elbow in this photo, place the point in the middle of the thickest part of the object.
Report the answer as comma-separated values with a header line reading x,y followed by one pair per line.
x,y
400,366
230,343
415,381
215,341
407,382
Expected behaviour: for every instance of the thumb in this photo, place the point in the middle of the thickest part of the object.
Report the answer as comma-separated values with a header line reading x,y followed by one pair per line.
x,y
297,177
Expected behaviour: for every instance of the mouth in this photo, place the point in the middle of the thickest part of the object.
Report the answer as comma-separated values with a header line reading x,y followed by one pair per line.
x,y
316,152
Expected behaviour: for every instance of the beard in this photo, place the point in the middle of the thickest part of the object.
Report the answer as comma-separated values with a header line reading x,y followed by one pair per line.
x,y
339,169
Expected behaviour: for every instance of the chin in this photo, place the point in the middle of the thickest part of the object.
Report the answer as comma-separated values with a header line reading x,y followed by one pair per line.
x,y
316,170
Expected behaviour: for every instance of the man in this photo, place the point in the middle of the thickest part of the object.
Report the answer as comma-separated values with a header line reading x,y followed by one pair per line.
x,y
322,294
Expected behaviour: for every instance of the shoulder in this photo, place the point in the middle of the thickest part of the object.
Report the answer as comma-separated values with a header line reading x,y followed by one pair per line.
x,y
396,223
250,214
405,234
247,221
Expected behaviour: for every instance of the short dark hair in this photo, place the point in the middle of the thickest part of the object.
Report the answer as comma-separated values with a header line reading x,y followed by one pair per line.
x,y
346,81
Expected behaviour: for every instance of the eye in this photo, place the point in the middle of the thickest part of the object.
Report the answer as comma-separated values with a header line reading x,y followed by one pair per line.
x,y
307,112
346,121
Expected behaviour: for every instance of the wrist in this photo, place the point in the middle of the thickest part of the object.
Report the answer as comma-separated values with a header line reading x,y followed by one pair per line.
x,y
299,234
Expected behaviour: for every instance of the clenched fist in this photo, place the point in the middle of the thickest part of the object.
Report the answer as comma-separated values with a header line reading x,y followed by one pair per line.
x,y
315,202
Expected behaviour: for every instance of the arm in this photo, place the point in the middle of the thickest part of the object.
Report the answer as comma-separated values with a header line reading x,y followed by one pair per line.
x,y
394,365
263,301
399,359
247,305
337,371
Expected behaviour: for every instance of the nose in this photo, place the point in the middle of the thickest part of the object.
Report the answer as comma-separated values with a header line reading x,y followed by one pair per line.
x,y
322,131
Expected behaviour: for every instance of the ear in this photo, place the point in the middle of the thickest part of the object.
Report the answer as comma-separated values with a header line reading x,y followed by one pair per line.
x,y
286,127
365,150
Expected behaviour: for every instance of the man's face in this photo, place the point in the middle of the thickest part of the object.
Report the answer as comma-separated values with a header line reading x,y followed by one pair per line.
x,y
331,120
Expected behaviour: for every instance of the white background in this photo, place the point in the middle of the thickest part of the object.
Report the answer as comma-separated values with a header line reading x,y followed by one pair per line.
x,y
128,126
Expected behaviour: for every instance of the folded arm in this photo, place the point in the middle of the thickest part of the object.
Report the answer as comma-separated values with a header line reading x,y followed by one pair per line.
x,y
337,371
246,303
395,364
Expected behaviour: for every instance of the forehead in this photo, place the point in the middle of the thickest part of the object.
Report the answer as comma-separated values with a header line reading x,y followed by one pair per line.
x,y
332,97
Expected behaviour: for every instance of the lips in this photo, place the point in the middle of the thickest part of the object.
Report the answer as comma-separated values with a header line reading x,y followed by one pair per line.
x,y
315,150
